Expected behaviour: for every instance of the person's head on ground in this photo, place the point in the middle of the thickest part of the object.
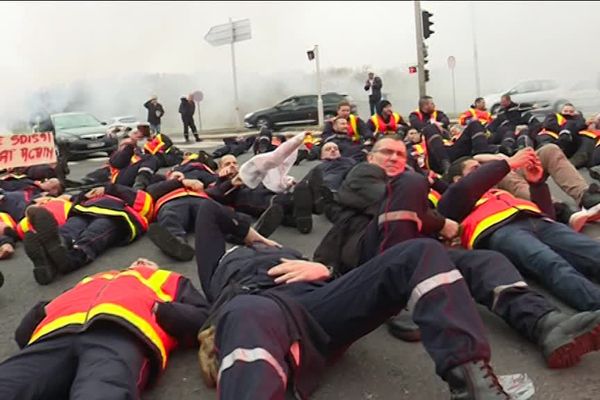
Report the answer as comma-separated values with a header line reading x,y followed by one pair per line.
x,y
340,125
413,136
505,101
343,109
142,262
479,104
568,109
426,104
228,165
52,186
389,153
330,151
460,168
384,108
455,130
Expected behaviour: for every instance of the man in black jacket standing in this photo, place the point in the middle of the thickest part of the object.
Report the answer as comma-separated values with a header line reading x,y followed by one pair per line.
x,y
155,113
373,85
187,108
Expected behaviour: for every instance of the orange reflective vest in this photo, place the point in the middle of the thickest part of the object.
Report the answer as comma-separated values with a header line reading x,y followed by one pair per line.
x,y
434,197
353,128
560,120
8,220
123,297
495,207
156,145
434,115
114,172
592,134
472,113
136,216
386,127
59,208
176,194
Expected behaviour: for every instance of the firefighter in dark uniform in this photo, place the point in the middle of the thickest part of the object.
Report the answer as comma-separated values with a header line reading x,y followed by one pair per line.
x,y
17,182
385,121
562,260
161,147
477,112
563,130
276,320
193,168
108,337
105,216
590,138
504,127
357,130
492,279
129,166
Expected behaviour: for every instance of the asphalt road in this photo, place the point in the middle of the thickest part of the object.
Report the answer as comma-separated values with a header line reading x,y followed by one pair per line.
x,y
376,367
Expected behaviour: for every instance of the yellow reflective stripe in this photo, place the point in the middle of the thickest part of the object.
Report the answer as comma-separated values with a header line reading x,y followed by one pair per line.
x,y
77,318
481,201
497,218
433,199
549,133
375,122
8,220
588,134
353,123
147,209
106,211
154,283
134,319
560,119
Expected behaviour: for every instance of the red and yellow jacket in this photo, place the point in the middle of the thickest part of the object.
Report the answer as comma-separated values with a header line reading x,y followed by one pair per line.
x,y
494,208
134,207
124,297
382,127
159,144
474,114
58,207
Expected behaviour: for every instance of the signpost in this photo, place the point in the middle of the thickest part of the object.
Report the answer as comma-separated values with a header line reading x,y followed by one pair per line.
x,y
314,55
229,33
198,96
451,65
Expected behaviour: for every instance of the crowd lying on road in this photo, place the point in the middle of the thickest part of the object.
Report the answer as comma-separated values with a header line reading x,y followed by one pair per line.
x,y
428,220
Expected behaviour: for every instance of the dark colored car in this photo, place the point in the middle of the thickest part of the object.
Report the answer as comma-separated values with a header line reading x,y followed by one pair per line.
x,y
80,133
295,110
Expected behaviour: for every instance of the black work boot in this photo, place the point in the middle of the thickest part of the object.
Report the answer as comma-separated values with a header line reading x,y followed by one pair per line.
x,y
1,279
591,197
565,338
315,182
524,141
197,138
506,147
303,205
56,249
403,327
44,271
579,159
474,381
170,244
269,220
595,172
206,159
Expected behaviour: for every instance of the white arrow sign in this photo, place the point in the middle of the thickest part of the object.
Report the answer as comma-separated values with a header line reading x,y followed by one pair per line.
x,y
229,33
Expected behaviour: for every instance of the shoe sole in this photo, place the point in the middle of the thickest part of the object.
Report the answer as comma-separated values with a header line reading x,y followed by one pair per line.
x,y
570,354
269,220
314,183
169,244
43,270
303,205
47,234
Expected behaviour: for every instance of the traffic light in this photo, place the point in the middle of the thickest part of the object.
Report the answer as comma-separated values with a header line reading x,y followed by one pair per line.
x,y
426,75
426,17
425,54
311,55
412,69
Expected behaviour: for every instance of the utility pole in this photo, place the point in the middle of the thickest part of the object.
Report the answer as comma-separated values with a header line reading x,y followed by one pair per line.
x,y
475,57
314,55
420,48
235,85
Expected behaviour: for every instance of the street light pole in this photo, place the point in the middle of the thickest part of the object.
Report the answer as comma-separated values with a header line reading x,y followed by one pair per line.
x,y
321,117
235,86
419,36
475,57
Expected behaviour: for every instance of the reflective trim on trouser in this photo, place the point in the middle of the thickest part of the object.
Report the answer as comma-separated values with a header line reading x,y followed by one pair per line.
x,y
429,284
401,215
252,355
499,289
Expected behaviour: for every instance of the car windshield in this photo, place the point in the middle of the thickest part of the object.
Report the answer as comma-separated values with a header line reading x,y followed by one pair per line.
x,y
74,121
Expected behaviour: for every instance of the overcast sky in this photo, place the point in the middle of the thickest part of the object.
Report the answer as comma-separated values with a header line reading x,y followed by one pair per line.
x,y
48,43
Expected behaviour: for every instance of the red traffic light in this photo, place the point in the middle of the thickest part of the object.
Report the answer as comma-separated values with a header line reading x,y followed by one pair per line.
x,y
412,70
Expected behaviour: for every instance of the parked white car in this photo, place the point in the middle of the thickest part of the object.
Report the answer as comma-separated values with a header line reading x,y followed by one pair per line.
x,y
120,126
544,94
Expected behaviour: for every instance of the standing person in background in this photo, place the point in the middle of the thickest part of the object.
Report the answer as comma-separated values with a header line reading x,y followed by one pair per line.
x,y
187,108
373,85
155,113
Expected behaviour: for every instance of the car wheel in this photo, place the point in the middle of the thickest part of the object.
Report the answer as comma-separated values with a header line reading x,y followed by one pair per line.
x,y
263,122
559,105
